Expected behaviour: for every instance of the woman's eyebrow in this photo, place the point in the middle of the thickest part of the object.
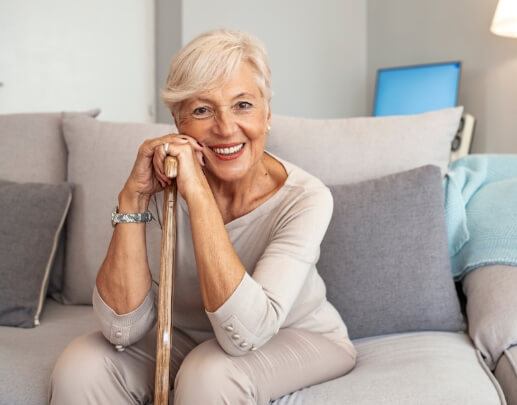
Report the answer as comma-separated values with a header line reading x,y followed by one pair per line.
x,y
244,94
203,99
210,101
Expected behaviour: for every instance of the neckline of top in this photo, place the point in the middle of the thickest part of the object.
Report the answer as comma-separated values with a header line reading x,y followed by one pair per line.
x,y
262,208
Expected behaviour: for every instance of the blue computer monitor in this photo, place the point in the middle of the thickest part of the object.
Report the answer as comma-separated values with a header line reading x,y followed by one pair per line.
x,y
415,89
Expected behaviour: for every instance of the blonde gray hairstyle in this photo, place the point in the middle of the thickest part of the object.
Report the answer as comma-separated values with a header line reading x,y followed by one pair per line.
x,y
212,58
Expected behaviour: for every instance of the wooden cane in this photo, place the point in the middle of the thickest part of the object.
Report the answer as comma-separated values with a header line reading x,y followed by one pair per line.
x,y
166,288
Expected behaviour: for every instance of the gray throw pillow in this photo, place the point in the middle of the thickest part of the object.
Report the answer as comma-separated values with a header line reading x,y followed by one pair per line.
x,y
32,218
384,257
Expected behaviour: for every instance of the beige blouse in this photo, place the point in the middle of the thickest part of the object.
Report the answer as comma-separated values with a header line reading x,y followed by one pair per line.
x,y
279,245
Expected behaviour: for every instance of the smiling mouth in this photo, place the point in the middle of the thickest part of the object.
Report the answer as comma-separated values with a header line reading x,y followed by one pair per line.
x,y
228,151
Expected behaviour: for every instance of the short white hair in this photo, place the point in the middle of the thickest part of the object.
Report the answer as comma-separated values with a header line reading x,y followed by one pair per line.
x,y
211,58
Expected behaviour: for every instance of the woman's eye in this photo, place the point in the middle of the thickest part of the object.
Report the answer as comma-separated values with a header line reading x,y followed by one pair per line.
x,y
243,105
201,112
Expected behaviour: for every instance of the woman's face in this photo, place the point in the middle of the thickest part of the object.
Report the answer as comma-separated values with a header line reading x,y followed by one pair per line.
x,y
225,118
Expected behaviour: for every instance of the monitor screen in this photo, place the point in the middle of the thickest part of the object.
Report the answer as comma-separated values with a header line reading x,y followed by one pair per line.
x,y
416,89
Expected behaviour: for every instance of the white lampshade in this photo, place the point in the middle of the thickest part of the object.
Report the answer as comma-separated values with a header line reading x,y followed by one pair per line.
x,y
505,19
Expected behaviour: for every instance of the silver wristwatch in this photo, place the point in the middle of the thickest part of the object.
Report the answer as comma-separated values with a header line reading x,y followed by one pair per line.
x,y
118,218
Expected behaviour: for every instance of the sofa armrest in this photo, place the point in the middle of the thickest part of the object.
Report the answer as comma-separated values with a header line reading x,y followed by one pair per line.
x,y
506,374
491,309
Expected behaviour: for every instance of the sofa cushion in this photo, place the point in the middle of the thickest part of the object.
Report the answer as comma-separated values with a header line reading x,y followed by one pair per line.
x,y
506,374
491,309
384,257
100,158
425,368
33,150
32,218
362,148
28,356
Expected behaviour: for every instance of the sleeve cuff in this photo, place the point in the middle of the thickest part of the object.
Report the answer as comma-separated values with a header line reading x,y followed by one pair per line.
x,y
228,320
125,329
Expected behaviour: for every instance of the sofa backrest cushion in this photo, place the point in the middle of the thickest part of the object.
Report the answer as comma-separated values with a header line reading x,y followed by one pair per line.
x,y
100,158
385,258
337,151
33,148
346,150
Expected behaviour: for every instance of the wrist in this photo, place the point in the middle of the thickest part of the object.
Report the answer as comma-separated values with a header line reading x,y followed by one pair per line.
x,y
196,193
131,202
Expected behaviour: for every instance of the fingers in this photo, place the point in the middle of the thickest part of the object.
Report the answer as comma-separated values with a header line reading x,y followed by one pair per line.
x,y
165,146
155,148
159,158
172,137
199,156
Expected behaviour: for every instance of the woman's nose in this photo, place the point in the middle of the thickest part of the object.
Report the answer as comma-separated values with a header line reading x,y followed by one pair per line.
x,y
225,122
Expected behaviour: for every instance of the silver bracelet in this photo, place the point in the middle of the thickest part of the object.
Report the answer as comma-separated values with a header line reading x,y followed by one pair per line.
x,y
129,218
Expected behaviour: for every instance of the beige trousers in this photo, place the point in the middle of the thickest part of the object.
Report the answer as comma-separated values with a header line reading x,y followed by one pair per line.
x,y
91,371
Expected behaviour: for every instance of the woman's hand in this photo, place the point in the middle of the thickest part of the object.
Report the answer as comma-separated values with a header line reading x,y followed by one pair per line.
x,y
147,176
190,160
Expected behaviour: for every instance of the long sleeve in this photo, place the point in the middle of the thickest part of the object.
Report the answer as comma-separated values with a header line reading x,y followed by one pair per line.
x,y
260,304
125,329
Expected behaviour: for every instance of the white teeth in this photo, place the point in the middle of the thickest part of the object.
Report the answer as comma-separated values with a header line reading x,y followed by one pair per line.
x,y
228,151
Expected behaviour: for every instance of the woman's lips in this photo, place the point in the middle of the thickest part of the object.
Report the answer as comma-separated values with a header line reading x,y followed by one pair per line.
x,y
231,156
227,145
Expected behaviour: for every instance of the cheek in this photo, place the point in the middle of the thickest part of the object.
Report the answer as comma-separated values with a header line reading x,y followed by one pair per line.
x,y
187,128
256,133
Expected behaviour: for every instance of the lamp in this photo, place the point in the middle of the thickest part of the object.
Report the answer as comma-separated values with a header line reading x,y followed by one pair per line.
x,y
505,19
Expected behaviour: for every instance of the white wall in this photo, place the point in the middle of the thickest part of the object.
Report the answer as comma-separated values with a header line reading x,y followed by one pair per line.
x,y
418,31
317,50
76,55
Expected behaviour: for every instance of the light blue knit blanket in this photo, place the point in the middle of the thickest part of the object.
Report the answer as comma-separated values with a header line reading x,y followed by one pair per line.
x,y
481,211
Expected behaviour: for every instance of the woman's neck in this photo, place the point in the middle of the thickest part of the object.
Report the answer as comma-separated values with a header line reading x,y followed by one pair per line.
x,y
237,198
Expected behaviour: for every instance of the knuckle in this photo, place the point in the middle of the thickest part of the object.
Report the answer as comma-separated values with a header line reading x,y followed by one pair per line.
x,y
144,145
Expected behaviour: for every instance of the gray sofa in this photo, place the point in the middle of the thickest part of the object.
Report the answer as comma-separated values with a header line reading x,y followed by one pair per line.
x,y
415,344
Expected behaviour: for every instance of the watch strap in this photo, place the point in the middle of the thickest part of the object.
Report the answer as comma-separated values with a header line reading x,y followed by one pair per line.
x,y
128,218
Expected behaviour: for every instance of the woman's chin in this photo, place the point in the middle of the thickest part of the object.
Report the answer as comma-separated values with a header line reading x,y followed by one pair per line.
x,y
227,174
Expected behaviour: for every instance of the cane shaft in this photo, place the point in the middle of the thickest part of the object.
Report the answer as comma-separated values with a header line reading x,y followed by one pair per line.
x,y
166,292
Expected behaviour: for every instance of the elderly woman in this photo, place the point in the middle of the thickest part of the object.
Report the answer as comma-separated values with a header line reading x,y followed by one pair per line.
x,y
252,322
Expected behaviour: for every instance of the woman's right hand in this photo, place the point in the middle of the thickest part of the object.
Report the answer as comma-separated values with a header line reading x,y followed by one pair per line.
x,y
143,182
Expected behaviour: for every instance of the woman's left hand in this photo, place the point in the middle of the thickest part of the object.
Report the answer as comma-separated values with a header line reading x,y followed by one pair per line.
x,y
190,178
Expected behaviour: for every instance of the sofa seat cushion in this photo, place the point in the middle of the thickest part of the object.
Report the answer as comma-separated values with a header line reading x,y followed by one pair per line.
x,y
28,356
412,368
506,374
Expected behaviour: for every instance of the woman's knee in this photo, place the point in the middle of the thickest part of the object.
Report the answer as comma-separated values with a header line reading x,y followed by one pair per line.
x,y
81,369
207,374
82,363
